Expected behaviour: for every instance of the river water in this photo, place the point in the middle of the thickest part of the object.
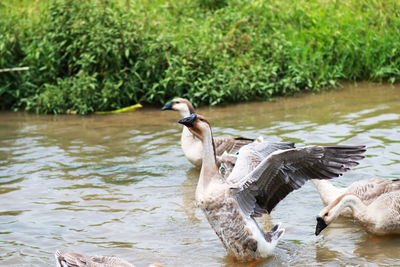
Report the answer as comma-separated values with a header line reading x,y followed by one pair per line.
x,y
119,184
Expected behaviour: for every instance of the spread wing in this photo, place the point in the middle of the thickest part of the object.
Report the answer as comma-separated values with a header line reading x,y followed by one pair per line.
x,y
230,144
283,171
250,156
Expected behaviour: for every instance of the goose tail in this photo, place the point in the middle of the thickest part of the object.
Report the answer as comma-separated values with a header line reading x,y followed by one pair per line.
x,y
59,255
271,240
275,233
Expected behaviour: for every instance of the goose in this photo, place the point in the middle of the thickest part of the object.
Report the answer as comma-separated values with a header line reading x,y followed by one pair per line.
x,y
263,175
191,146
378,213
66,258
367,190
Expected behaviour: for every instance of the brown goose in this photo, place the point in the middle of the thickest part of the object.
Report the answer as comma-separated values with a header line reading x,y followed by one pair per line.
x,y
263,175
367,190
375,205
191,146
66,258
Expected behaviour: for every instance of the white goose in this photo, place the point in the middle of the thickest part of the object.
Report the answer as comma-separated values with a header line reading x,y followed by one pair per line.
x,y
263,175
367,190
191,146
375,206
66,258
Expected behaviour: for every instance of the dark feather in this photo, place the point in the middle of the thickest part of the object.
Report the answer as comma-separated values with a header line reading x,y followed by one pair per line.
x,y
230,144
283,171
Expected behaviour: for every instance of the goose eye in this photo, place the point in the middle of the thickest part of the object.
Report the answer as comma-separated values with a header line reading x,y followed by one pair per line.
x,y
237,153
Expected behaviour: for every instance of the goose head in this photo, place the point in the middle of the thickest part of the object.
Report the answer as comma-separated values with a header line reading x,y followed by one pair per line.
x,y
197,125
332,211
182,105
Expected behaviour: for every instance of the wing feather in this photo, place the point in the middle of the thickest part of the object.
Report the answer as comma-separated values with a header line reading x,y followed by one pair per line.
x,y
230,144
250,157
283,171
370,189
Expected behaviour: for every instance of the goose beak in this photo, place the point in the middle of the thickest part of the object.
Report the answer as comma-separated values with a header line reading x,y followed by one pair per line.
x,y
188,121
321,225
167,106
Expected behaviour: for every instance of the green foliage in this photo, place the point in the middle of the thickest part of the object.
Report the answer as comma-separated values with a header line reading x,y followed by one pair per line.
x,y
212,4
11,54
96,55
90,56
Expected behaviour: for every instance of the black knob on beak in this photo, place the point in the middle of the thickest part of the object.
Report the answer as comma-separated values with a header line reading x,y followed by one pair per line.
x,y
188,121
321,225
167,106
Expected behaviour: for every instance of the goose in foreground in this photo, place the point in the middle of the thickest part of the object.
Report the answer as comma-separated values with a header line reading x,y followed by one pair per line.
x,y
367,190
263,175
191,146
66,258
378,213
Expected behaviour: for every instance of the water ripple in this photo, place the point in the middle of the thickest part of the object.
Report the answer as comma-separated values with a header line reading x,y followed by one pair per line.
x,y
120,185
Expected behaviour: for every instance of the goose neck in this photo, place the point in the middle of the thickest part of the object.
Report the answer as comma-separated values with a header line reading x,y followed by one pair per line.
x,y
326,190
353,202
209,167
185,113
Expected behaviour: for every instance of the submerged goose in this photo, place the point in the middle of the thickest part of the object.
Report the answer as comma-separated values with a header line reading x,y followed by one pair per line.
x,y
66,258
378,213
263,175
367,190
191,146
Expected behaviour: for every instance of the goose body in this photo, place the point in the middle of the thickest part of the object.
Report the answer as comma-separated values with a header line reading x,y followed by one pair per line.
x,y
264,174
191,146
66,258
380,217
73,259
241,236
367,190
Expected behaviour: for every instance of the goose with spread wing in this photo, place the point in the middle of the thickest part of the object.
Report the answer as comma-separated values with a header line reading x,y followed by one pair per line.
x,y
263,175
373,203
191,146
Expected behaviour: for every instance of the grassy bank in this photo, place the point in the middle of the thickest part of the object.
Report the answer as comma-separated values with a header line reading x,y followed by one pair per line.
x,y
94,55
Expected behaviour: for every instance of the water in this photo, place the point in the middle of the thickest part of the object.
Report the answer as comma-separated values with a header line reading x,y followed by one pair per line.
x,y
120,185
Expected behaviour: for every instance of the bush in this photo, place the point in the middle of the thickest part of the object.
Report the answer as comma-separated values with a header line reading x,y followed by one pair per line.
x,y
11,55
91,56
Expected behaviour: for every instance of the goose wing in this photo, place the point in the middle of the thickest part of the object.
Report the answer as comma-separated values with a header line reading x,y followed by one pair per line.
x,y
283,171
250,156
226,163
230,144
370,189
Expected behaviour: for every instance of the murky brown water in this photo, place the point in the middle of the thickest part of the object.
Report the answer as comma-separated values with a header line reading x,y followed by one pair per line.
x,y
120,185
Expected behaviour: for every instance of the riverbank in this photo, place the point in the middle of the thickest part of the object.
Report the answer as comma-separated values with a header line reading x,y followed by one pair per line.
x,y
104,55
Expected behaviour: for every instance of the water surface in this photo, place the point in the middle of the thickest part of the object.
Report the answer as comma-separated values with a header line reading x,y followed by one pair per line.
x,y
120,185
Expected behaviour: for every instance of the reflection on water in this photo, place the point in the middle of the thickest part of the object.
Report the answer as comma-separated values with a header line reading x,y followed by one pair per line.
x,y
119,184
